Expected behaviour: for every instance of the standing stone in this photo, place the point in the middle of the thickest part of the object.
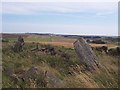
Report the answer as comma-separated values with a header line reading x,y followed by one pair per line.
x,y
85,54
19,44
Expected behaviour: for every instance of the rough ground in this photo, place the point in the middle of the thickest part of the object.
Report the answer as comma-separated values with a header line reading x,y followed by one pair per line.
x,y
55,70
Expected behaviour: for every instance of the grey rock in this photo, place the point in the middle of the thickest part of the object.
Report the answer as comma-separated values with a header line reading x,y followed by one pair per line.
x,y
86,54
18,46
9,71
31,73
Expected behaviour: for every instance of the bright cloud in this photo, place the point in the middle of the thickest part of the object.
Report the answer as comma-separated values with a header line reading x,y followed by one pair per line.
x,y
59,0
39,8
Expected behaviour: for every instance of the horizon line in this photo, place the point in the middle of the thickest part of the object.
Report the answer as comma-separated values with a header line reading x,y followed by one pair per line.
x,y
57,34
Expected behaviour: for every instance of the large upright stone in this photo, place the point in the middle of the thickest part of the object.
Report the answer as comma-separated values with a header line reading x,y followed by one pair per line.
x,y
19,44
85,54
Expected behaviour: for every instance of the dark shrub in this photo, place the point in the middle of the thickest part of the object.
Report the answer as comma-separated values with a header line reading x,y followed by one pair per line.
x,y
98,42
5,40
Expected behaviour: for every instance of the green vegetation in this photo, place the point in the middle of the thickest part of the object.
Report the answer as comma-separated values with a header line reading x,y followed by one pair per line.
x,y
58,66
38,39
5,40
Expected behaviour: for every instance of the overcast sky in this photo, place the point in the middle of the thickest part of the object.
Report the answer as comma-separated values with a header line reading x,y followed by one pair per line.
x,y
81,18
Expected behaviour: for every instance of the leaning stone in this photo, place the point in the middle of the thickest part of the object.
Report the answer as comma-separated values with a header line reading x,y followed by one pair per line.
x,y
85,54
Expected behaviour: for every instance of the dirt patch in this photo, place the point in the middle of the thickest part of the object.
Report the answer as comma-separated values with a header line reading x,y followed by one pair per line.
x,y
97,45
70,45
65,44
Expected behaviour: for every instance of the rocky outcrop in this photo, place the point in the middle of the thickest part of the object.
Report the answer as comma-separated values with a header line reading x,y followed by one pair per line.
x,y
86,54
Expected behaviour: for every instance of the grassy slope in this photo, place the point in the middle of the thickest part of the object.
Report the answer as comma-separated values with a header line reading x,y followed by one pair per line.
x,y
105,77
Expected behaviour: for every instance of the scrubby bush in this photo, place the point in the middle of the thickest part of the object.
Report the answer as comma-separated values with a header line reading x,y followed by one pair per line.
x,y
114,51
5,40
98,42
